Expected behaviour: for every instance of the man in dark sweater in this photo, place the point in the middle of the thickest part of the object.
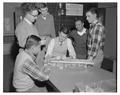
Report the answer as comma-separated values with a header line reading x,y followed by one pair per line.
x,y
79,37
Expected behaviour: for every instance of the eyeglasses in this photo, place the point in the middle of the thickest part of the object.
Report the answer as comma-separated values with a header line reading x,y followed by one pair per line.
x,y
34,15
43,9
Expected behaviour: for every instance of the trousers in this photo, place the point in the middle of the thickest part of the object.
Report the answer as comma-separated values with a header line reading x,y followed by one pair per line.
x,y
98,59
37,89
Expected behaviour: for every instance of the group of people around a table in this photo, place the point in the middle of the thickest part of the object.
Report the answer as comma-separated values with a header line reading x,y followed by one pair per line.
x,y
37,41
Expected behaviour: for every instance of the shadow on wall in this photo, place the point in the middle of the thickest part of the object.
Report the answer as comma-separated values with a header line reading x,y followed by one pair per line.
x,y
14,50
13,53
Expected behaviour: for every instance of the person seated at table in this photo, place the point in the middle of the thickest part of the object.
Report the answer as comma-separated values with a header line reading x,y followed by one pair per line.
x,y
58,46
26,71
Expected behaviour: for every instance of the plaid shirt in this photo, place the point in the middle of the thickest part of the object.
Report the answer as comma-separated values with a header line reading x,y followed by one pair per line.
x,y
96,39
33,70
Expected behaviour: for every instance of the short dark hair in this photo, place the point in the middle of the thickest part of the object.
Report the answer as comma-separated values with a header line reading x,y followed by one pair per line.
x,y
41,5
64,29
27,7
94,11
81,19
32,40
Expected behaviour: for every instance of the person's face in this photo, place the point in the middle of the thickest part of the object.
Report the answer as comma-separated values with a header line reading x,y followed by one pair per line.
x,y
79,25
33,15
62,36
90,17
44,11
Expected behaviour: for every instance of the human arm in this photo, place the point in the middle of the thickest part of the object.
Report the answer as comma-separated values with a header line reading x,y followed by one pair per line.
x,y
53,34
34,71
50,48
71,35
71,49
20,35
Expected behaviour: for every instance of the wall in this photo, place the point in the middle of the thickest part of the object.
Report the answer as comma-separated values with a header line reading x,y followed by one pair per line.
x,y
9,8
110,29
111,33
8,32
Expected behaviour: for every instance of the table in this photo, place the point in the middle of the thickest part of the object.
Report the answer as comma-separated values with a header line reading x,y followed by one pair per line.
x,y
65,79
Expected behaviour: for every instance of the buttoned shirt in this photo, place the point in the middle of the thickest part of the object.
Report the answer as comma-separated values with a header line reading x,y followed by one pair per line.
x,y
96,39
25,69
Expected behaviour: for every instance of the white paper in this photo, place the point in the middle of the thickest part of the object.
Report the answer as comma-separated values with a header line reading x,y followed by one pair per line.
x,y
74,9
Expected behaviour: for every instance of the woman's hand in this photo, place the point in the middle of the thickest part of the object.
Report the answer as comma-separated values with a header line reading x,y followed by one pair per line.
x,y
71,57
58,57
64,57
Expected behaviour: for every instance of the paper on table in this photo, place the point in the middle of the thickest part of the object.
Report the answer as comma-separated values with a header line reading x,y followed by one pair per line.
x,y
76,61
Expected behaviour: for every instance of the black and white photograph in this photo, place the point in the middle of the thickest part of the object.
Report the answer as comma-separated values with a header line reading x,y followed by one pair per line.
x,y
60,47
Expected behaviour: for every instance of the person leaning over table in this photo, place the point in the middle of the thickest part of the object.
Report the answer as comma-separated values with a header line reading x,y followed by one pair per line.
x,y
58,46
96,38
26,70
26,28
79,37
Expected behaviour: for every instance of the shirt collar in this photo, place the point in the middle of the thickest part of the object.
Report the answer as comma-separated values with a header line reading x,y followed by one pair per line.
x,y
45,16
94,22
27,21
82,32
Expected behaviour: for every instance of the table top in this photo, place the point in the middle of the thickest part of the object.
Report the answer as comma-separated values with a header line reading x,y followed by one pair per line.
x,y
72,61
65,79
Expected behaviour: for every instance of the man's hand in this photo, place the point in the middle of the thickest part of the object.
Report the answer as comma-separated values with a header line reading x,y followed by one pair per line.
x,y
44,77
46,70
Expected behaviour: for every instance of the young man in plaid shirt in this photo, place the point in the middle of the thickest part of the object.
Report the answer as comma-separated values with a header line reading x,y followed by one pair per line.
x,y
96,38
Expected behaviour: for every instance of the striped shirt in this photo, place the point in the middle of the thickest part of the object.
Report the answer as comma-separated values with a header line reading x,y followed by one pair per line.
x,y
25,69
33,70
96,39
